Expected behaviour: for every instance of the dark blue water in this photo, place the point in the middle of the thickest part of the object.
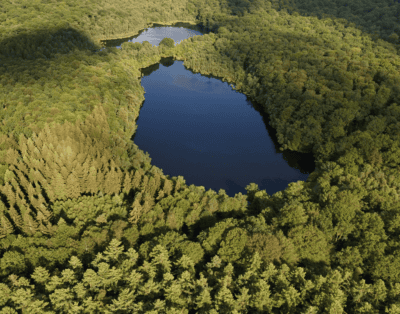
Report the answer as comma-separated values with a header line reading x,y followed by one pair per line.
x,y
198,127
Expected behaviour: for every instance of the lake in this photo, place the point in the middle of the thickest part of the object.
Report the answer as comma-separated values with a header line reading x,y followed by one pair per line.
x,y
198,127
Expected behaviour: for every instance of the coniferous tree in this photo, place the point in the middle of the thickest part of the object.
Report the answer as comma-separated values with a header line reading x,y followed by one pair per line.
x,y
137,179
182,183
160,195
136,209
100,180
19,196
148,202
42,204
7,190
85,176
127,183
16,217
92,186
31,195
119,176
144,183
46,228
58,186
42,184
21,178
151,186
167,187
112,183
73,186
6,226
30,226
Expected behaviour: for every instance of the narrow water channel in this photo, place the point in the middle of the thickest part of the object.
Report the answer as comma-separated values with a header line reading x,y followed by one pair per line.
x,y
198,127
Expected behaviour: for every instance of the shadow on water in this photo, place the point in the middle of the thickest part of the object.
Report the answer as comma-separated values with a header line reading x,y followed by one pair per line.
x,y
301,161
192,167
197,126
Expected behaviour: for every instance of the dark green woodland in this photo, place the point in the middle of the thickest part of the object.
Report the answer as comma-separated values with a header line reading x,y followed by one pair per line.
x,y
89,225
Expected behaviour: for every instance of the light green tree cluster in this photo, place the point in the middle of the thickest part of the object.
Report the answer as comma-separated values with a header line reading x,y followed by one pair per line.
x,y
117,282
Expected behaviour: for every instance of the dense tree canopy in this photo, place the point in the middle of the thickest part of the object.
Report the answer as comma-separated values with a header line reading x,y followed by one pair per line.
x,y
88,224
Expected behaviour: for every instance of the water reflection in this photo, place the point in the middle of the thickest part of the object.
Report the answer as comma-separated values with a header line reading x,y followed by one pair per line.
x,y
154,34
199,127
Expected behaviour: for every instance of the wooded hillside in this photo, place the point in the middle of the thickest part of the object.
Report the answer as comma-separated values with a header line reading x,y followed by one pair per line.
x,y
89,225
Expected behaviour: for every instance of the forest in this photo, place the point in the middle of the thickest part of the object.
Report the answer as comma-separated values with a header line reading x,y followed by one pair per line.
x,y
89,225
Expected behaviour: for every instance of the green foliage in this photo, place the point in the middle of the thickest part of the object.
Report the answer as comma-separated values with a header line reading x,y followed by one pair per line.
x,y
131,46
12,262
232,245
167,42
118,272
97,228
266,245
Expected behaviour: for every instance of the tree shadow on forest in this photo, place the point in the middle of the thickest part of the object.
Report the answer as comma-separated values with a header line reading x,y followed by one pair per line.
x,y
242,7
45,43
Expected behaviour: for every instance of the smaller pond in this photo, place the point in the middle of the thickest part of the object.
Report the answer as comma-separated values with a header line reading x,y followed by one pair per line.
x,y
198,127
157,32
